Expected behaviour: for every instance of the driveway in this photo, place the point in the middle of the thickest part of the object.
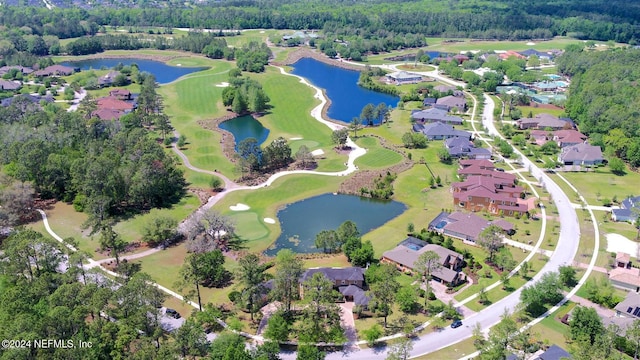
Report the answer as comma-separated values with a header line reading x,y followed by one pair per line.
x,y
348,324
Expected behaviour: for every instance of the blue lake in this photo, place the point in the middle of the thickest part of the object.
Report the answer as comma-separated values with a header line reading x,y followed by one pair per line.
x,y
302,221
244,127
341,86
164,73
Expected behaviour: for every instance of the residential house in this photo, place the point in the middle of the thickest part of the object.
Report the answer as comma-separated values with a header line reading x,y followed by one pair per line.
x,y
347,281
504,55
479,170
459,147
403,77
554,352
408,251
460,58
434,114
623,260
541,55
543,122
626,212
54,70
429,102
445,88
466,226
33,99
626,279
483,164
451,102
440,131
24,70
9,85
491,194
107,114
112,108
540,137
629,307
581,154
108,79
121,94
569,137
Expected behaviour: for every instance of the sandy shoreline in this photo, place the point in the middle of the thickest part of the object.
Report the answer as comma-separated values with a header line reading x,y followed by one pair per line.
x,y
298,54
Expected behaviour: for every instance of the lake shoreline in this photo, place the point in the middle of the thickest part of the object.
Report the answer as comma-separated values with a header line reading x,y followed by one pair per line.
x,y
298,54
153,57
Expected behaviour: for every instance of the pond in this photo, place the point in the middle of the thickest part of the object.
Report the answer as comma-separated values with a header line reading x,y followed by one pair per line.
x,y
341,86
303,220
244,127
164,73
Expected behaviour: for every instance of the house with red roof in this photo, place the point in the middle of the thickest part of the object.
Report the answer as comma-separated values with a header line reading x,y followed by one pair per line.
x,y
495,195
571,137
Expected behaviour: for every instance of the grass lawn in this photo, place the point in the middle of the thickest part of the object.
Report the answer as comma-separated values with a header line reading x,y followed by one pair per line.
x,y
132,229
537,110
376,157
455,351
551,330
419,67
602,184
559,42
364,323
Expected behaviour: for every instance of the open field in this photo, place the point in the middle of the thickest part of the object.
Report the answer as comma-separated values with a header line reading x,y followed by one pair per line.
x,y
538,110
456,351
602,184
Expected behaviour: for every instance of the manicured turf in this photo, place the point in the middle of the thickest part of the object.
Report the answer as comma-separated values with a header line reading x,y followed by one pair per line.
x,y
538,110
419,67
455,351
604,183
376,157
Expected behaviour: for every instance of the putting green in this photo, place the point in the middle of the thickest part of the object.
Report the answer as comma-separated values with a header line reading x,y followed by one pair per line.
x,y
252,226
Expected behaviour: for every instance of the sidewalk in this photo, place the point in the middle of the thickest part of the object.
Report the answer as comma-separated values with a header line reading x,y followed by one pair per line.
x,y
601,310
526,247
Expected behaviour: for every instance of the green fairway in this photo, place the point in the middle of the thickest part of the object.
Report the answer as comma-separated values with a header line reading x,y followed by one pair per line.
x,y
376,157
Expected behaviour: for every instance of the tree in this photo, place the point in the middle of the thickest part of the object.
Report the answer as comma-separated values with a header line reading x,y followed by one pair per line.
x,y
383,292
616,165
339,137
309,352
500,338
208,230
277,327
407,299
288,272
633,337
364,255
321,317
401,350
304,156
355,126
444,156
533,61
372,334
490,239
368,114
585,323
277,154
427,263
110,240
202,269
545,291
161,229
504,260
568,276
182,141
327,240
252,276
16,203
224,341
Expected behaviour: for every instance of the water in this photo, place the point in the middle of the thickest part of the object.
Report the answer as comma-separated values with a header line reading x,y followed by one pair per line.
x,y
341,86
244,127
303,220
164,73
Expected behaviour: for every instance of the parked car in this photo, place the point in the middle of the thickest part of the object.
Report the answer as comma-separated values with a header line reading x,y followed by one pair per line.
x,y
456,324
174,314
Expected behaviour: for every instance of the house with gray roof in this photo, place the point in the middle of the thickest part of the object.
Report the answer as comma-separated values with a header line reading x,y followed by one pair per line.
x,y
403,77
626,212
463,148
408,251
539,54
452,102
629,307
581,154
440,131
554,352
436,114
347,281
9,85
444,88
544,121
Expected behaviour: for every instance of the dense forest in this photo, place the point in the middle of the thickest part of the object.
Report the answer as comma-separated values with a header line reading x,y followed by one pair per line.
x,y
515,20
605,98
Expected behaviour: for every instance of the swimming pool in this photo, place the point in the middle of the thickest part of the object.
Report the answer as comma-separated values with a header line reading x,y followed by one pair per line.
x,y
441,224
413,247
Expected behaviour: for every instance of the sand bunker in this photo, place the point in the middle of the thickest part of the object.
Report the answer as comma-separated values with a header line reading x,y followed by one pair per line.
x,y
295,138
269,221
619,243
223,84
178,64
317,152
239,207
530,43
